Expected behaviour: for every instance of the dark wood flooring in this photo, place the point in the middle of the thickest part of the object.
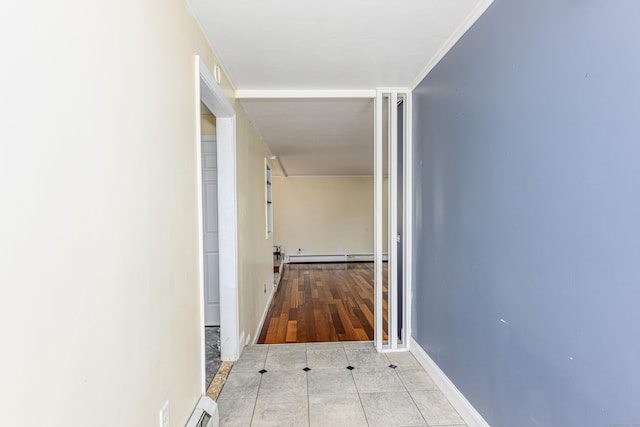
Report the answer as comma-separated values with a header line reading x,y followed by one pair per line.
x,y
323,302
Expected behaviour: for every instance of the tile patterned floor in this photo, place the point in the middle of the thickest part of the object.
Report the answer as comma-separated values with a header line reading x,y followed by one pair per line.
x,y
329,394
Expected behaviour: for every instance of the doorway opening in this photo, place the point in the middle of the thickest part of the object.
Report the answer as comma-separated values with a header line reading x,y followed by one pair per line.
x,y
316,206
218,232
211,253
322,214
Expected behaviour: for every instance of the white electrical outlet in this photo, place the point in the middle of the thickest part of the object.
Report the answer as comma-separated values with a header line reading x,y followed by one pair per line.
x,y
164,415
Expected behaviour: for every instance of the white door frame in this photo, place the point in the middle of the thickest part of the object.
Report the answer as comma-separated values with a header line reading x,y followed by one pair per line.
x,y
391,96
209,92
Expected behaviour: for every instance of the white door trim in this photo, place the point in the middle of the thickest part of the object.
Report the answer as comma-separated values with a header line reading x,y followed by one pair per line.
x,y
391,97
208,91
407,226
392,215
377,218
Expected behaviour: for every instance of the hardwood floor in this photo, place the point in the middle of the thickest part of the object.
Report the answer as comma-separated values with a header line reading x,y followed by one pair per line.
x,y
323,302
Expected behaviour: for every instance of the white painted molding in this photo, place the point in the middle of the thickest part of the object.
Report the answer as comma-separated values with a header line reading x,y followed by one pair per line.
x,y
305,93
468,413
471,19
228,238
282,169
241,341
392,215
210,93
400,348
276,159
304,258
264,315
408,219
329,176
387,90
200,225
377,222
389,97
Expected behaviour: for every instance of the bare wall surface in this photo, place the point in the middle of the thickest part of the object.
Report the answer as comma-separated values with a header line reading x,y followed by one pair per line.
x,y
527,241
255,257
325,215
98,232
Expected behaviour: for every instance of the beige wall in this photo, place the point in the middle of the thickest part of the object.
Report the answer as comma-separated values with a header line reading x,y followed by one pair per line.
x,y
324,215
207,124
255,251
98,227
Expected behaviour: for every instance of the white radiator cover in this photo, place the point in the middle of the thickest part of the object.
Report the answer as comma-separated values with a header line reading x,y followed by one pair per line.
x,y
206,406
302,258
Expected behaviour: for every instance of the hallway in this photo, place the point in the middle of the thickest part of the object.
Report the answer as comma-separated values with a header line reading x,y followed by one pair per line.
x,y
323,303
331,384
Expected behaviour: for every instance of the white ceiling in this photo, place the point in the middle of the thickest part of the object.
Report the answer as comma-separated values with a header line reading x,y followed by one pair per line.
x,y
328,45
317,137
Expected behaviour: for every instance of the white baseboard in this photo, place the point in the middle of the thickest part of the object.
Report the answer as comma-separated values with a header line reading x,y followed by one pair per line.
x,y
303,258
468,413
241,341
264,314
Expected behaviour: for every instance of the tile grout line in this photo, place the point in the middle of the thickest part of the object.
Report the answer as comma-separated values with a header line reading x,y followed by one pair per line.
x,y
356,386
414,402
361,369
255,402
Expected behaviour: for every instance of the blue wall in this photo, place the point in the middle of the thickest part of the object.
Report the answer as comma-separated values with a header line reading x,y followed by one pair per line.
x,y
527,213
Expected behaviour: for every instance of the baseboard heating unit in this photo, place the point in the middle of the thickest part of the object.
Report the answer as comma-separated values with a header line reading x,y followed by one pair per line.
x,y
205,414
304,258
